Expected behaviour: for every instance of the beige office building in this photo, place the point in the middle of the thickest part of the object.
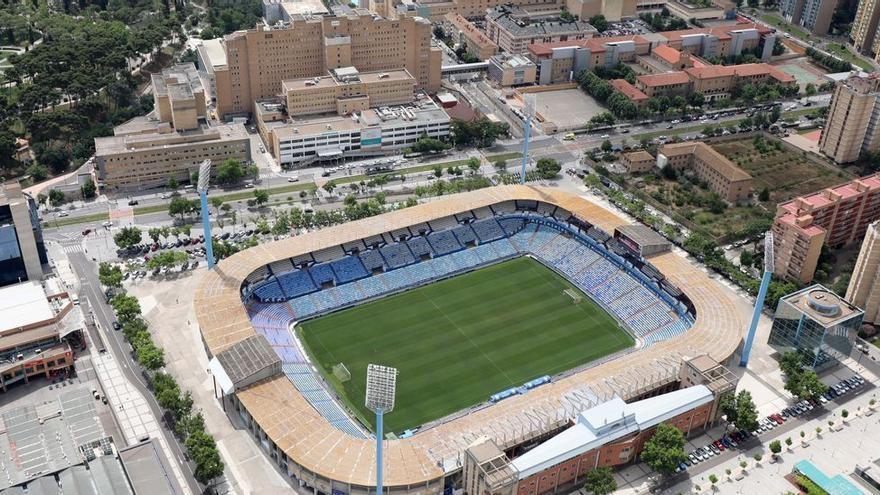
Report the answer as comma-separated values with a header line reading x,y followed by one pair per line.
x,y
345,90
253,63
852,124
864,27
169,142
514,28
864,286
724,178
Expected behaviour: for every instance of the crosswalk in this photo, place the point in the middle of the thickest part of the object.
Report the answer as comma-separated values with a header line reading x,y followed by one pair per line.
x,y
72,248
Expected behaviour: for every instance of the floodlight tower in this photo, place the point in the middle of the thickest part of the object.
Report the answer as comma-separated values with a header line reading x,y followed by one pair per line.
x,y
381,385
529,108
204,178
759,302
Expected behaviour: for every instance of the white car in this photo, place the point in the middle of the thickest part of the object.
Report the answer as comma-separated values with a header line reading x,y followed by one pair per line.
x,y
63,214
293,179
108,223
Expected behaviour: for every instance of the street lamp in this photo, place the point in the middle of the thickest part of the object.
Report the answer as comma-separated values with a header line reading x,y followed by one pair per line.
x,y
204,178
381,385
529,111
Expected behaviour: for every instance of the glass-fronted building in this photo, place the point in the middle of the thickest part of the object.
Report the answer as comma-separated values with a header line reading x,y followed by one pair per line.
x,y
22,251
818,323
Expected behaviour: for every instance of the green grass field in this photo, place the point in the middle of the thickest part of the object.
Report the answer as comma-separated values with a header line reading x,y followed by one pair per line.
x,y
458,341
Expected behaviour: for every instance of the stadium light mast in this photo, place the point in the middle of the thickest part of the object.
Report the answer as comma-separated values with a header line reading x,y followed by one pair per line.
x,y
759,302
204,178
381,386
529,108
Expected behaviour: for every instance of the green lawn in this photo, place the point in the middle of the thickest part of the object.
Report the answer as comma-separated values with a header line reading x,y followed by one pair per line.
x,y
458,341
844,53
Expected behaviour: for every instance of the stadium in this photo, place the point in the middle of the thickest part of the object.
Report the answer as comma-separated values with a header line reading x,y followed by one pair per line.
x,y
509,311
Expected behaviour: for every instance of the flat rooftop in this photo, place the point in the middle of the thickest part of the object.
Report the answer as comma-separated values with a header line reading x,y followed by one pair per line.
x,y
146,140
345,75
148,469
41,439
23,305
822,305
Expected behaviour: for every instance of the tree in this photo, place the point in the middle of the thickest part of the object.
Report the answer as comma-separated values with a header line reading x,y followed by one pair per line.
x,y
329,187
696,99
548,168
173,184
764,195
180,206
126,307
203,450
788,441
216,203
664,451
109,275
88,189
500,165
713,479
810,89
56,197
775,447
37,172
154,233
473,163
481,132
600,481
746,412
599,22
844,414
606,146
151,356
127,237
438,171
229,172
261,196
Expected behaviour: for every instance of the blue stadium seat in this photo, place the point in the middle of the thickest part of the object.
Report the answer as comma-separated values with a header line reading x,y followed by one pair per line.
x,y
322,273
443,242
464,234
419,246
488,229
397,255
372,260
296,283
348,268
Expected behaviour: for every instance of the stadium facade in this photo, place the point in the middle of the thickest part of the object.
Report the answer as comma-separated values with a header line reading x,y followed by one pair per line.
x,y
259,292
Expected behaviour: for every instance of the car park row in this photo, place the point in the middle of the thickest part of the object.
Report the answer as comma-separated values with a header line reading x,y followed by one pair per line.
x,y
732,439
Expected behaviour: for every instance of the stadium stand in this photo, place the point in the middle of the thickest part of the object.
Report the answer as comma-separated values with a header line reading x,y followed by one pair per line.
x,y
347,269
626,290
328,254
281,266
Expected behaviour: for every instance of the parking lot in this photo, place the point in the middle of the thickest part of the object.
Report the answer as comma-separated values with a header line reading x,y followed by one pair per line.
x,y
568,108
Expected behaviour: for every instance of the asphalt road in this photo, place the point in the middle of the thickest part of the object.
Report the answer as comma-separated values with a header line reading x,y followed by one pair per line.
x,y
90,289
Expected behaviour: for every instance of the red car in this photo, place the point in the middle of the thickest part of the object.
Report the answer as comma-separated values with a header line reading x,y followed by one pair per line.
x,y
720,445
778,418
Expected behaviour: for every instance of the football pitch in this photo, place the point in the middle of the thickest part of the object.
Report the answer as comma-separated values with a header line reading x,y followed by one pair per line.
x,y
458,341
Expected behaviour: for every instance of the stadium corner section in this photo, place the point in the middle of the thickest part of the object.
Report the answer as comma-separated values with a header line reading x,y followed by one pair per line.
x,y
319,458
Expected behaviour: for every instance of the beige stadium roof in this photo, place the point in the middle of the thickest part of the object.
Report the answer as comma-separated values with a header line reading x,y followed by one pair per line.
x,y
310,441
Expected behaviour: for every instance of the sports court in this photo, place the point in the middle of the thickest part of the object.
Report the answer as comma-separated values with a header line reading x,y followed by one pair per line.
x,y
803,71
567,108
458,341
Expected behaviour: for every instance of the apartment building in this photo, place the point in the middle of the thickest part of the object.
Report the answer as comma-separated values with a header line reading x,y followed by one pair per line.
x,y
345,90
864,286
253,63
814,15
464,33
852,123
722,176
22,251
513,28
512,70
863,32
298,142
561,61
835,217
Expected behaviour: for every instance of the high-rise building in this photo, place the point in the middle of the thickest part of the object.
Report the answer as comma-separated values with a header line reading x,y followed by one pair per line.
x,y
22,252
814,15
853,123
253,63
864,286
864,26
835,217
816,323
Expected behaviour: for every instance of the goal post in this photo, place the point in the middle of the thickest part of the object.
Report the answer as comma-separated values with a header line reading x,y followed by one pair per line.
x,y
341,372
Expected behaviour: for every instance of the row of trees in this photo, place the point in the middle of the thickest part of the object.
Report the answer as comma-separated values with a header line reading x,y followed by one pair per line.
x,y
831,63
602,91
481,132
188,425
